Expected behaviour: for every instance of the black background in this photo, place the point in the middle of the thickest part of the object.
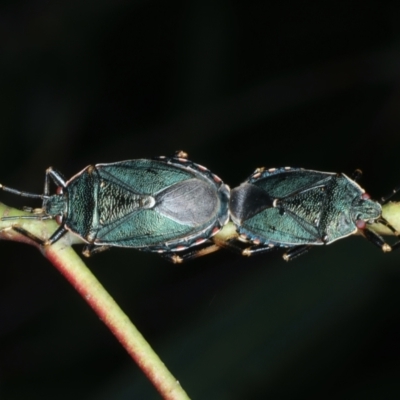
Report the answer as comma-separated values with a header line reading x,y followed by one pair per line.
x,y
237,85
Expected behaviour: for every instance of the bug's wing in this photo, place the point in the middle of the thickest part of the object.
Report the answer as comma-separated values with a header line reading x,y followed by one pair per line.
x,y
283,184
270,226
288,207
142,176
326,203
142,228
283,222
178,212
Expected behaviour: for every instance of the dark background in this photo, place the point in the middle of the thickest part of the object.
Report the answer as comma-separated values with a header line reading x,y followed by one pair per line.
x,y
237,85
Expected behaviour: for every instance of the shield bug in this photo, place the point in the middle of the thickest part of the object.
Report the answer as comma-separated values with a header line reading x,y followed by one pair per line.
x,y
164,205
298,208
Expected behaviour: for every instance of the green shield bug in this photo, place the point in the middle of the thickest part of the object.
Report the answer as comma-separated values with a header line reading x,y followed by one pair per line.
x,y
298,208
164,205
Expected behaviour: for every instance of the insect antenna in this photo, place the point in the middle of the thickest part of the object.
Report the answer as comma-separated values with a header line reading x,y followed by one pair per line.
x,y
23,194
37,212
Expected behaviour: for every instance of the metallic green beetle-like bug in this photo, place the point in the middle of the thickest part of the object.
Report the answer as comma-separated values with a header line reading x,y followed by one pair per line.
x,y
164,205
298,208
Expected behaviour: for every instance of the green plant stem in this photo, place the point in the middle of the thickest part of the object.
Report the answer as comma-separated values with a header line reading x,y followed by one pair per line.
x,y
391,212
65,259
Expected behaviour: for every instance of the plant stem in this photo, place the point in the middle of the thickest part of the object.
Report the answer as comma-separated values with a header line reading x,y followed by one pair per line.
x,y
65,259
391,212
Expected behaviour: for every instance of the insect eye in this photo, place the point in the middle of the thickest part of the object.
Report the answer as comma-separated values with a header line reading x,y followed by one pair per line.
x,y
59,219
360,224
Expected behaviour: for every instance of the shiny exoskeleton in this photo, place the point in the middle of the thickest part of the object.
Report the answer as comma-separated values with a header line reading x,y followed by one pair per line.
x,y
165,205
297,208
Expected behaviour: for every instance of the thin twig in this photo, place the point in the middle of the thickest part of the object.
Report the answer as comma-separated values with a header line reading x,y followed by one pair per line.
x,y
65,259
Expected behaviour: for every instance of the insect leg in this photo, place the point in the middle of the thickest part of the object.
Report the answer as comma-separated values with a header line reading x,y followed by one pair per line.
x,y
176,258
377,240
383,221
27,234
61,231
57,178
180,154
256,249
296,252
356,175
396,245
90,249
226,238
386,198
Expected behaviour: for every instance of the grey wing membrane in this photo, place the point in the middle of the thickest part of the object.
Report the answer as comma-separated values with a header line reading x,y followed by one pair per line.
x,y
192,202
